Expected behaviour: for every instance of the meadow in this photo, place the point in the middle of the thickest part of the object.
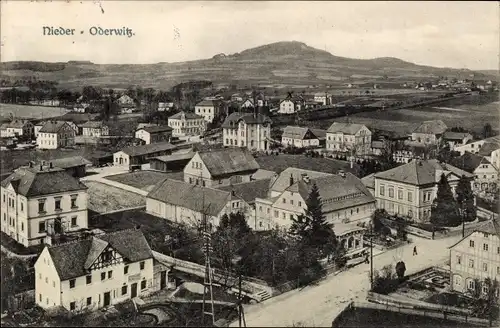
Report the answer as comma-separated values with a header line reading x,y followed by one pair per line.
x,y
28,111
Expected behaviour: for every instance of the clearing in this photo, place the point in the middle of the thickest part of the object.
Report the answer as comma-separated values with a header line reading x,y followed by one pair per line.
x,y
144,180
278,163
104,198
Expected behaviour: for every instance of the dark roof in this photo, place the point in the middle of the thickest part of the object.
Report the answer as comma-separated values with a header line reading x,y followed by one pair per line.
x,y
467,162
449,135
68,162
187,115
488,147
227,161
32,182
420,172
148,149
248,191
232,120
73,259
52,126
347,128
283,180
207,103
319,133
93,124
431,127
16,124
196,198
369,181
378,144
156,129
297,132
175,157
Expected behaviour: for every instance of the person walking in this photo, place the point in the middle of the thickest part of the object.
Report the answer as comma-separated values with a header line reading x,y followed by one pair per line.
x,y
415,251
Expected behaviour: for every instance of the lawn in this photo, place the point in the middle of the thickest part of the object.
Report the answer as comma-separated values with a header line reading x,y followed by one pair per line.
x,y
278,163
144,180
104,198
29,111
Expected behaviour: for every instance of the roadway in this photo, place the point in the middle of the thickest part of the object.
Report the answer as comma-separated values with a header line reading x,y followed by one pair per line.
x,y
317,305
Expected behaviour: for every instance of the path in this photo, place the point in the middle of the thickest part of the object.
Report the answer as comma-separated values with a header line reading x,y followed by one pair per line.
x,y
102,173
318,305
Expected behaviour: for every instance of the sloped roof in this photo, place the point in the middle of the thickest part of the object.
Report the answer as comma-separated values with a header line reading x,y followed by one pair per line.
x,y
188,116
319,133
467,162
200,199
176,157
488,148
420,172
346,128
32,182
227,161
16,124
148,149
52,126
369,181
94,125
449,135
248,191
283,180
263,174
156,129
232,120
296,132
431,127
207,103
72,260
491,227
68,162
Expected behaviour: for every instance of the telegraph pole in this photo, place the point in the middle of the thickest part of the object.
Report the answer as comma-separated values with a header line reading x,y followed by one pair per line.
x,y
371,256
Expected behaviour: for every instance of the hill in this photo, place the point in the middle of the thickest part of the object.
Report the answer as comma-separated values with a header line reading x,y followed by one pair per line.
x,y
280,64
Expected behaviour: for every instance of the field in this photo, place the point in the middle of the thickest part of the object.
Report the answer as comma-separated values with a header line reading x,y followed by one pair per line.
x,y
104,198
281,162
144,180
28,111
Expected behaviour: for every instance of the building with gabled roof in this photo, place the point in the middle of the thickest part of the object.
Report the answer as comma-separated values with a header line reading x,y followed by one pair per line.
x,y
190,203
409,190
454,139
154,134
39,202
252,131
429,132
291,105
17,128
300,137
138,155
96,272
187,124
476,256
95,129
354,139
209,109
486,178
55,134
220,167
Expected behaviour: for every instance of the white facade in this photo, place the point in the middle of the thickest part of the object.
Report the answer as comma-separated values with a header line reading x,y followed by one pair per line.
x,y
300,143
289,106
64,137
186,126
486,178
359,143
96,131
207,111
323,98
495,158
252,136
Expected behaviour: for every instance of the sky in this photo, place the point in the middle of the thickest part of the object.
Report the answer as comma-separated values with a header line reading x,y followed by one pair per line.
x,y
444,34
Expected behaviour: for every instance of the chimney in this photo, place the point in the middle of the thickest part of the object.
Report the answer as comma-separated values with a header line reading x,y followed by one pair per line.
x,y
305,177
50,165
291,179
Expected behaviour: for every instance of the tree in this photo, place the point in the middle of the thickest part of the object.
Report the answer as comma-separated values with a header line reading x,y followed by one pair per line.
x,y
487,131
465,199
445,211
400,270
377,218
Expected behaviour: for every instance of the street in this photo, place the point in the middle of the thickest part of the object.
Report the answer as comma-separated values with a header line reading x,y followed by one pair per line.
x,y
318,305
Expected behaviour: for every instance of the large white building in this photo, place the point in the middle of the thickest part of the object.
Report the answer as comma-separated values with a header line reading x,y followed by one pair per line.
x,y
324,98
209,109
299,137
220,167
95,129
55,135
486,178
409,190
429,132
354,139
41,201
187,124
17,128
477,256
154,134
97,272
252,131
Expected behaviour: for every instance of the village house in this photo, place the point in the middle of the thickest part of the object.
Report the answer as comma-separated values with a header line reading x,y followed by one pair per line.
x,y
344,198
291,105
187,124
489,148
351,138
236,97
477,256
81,108
486,178
377,147
171,163
55,135
96,272
324,98
209,109
429,132
125,101
75,166
220,167
39,125
165,106
409,190
95,129
191,204
40,201
454,139
495,158
248,130
154,134
248,103
138,155
17,128
299,137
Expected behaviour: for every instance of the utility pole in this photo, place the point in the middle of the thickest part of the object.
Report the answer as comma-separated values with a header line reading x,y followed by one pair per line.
x,y
208,279
371,256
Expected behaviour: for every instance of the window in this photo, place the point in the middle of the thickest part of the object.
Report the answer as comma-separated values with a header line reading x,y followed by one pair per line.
x,y
391,192
41,206
46,280
72,283
410,196
485,289
58,204
471,263
485,267
125,269
73,201
72,306
276,213
22,207
471,243
400,194
485,247
143,284
300,203
89,301
124,290
110,274
284,201
4,198
459,259
73,221
41,226
103,275
89,279
40,297
291,201
141,265
22,226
